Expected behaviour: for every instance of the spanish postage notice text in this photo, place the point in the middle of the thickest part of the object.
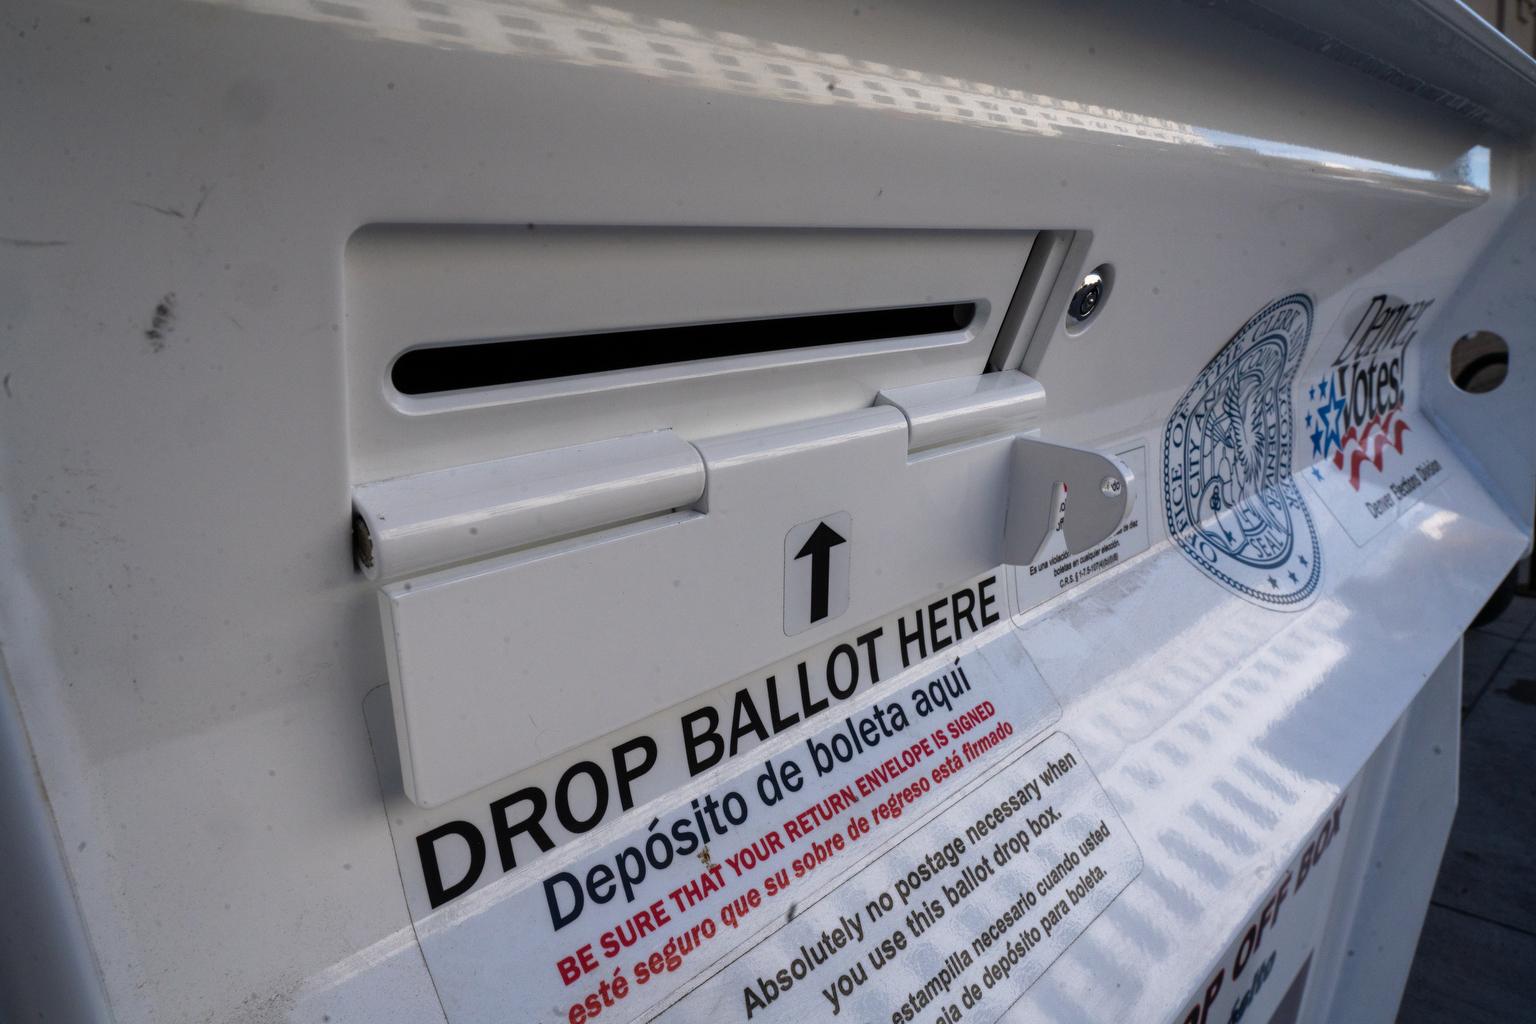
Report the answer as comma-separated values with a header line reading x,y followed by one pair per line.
x,y
956,922
619,927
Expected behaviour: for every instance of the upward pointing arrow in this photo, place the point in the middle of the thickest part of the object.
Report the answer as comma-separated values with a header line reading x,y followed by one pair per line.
x,y
819,547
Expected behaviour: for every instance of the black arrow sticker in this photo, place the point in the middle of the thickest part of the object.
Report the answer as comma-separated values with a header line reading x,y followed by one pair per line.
x,y
819,548
818,570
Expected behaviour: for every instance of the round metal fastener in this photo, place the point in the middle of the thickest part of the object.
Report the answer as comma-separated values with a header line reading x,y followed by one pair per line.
x,y
1087,298
1111,486
362,542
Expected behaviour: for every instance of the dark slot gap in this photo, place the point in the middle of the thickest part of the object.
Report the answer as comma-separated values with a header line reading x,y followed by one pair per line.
x,y
483,364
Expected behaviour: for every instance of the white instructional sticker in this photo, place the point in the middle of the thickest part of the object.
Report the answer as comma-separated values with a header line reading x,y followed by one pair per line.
x,y
1373,454
1054,570
449,852
618,921
956,921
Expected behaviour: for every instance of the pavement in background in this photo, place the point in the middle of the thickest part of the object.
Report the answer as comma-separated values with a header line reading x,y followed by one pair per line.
x,y
1477,954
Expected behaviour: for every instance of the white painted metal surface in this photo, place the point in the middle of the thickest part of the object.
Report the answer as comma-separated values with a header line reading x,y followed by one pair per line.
x,y
222,223
959,408
430,520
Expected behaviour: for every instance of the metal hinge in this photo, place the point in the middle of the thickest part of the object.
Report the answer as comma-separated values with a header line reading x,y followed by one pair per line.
x,y
425,521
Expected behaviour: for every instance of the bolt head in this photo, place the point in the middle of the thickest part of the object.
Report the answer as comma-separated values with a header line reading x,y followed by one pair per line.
x,y
362,542
1112,486
1087,298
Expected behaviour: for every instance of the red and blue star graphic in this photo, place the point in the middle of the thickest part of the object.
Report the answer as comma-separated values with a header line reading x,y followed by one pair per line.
x,y
1326,435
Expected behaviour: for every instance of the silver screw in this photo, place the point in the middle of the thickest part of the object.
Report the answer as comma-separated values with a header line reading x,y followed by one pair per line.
x,y
1111,487
1087,298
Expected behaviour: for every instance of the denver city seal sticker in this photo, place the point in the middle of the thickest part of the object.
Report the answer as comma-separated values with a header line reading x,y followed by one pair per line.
x,y
1231,502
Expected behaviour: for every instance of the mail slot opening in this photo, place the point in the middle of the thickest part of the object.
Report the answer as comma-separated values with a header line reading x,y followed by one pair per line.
x,y
437,369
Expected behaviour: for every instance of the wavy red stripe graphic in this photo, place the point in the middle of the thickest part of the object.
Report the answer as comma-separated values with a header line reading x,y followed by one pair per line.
x,y
1390,436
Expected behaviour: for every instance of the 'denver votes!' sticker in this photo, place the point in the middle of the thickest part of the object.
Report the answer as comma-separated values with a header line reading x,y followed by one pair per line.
x,y
1232,504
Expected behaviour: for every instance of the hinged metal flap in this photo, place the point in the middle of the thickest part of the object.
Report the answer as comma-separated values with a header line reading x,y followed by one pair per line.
x,y
1097,491
777,539
499,664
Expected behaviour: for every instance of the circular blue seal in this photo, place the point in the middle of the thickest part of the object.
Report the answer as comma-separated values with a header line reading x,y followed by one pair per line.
x,y
1231,502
